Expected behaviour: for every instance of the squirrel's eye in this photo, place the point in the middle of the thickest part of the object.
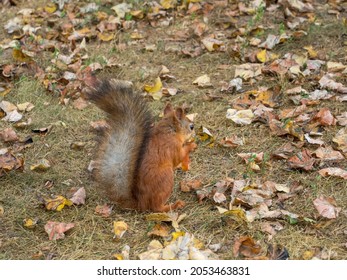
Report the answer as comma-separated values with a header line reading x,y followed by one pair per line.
x,y
191,126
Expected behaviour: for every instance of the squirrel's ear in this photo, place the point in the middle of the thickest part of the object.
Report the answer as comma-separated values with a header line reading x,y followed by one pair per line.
x,y
168,109
179,113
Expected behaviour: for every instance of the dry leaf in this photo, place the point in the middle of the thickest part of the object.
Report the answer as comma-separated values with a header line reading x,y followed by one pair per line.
x,y
324,117
42,165
203,81
302,160
119,228
231,142
8,135
245,246
103,210
9,162
248,70
333,171
326,206
342,119
212,44
341,140
80,103
79,196
328,153
56,203
160,230
242,117
56,230
187,186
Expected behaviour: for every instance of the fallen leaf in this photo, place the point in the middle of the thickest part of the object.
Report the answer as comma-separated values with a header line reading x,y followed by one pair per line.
x,y
42,165
103,210
56,230
79,196
26,106
313,141
341,140
342,119
327,82
9,162
30,223
245,246
248,70
155,90
8,135
333,171
242,117
80,103
203,81
326,206
335,66
231,142
205,135
56,203
328,154
324,117
189,185
160,230
212,44
119,228
302,160
261,56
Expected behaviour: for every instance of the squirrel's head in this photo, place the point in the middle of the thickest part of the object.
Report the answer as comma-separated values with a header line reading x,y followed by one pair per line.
x,y
181,124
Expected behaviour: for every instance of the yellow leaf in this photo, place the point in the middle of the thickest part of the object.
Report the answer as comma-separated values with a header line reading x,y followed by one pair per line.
x,y
137,14
42,165
261,56
29,223
236,214
177,234
311,52
57,203
155,88
167,4
119,228
105,37
18,55
50,8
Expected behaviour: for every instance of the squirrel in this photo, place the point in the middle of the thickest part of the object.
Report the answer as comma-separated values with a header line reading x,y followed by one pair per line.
x,y
135,161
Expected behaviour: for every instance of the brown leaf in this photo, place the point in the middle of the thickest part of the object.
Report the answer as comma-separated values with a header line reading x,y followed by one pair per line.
x,y
231,142
79,196
326,206
10,162
56,230
8,135
324,117
333,171
341,140
302,160
245,246
187,186
159,230
80,103
284,152
103,210
328,153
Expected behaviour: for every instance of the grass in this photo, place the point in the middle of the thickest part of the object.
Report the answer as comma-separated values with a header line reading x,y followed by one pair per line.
x,y
92,237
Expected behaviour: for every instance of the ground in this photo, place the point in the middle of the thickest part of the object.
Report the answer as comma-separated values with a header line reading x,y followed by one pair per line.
x,y
176,32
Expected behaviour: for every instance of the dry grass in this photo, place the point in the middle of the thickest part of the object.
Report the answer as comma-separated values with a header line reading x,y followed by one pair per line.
x,y
92,236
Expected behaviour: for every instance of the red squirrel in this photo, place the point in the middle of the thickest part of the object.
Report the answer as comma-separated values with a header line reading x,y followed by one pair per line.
x,y
135,161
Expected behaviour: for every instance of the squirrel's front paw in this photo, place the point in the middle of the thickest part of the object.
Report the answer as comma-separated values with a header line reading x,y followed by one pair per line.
x,y
179,204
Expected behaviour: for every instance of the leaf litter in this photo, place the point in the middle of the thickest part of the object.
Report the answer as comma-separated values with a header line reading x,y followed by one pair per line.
x,y
315,80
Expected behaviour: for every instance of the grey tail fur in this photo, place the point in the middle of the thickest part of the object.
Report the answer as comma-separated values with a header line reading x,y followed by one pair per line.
x,y
122,146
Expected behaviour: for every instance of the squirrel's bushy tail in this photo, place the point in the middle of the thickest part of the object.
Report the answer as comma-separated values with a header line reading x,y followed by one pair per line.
x,y
121,147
